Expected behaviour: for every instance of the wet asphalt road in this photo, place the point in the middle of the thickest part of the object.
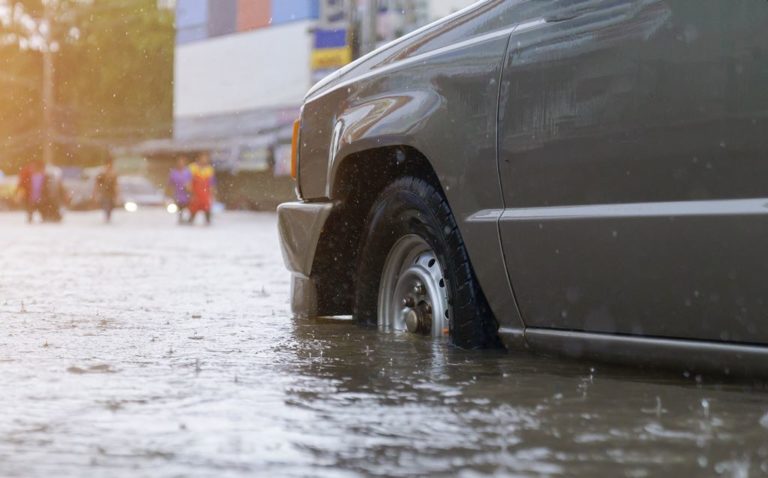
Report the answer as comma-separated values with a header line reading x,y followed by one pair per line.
x,y
147,349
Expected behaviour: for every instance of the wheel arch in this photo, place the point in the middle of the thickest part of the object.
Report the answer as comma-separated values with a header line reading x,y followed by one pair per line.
x,y
353,191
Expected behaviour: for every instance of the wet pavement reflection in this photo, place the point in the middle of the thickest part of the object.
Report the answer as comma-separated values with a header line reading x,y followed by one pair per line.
x,y
145,349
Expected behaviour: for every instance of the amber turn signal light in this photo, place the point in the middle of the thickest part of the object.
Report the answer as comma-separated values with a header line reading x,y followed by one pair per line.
x,y
295,149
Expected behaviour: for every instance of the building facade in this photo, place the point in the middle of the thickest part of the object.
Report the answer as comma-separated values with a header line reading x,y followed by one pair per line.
x,y
242,68
241,71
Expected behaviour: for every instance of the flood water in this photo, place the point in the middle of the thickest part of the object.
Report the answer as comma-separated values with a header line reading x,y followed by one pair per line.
x,y
148,349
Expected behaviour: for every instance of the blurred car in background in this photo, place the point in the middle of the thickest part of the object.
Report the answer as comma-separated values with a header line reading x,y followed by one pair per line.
x,y
134,191
137,192
79,187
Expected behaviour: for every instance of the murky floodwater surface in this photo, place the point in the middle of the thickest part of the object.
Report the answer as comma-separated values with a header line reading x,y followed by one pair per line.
x,y
146,349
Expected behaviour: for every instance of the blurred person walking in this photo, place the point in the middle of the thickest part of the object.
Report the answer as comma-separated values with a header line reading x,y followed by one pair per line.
x,y
106,189
203,187
179,180
31,188
53,194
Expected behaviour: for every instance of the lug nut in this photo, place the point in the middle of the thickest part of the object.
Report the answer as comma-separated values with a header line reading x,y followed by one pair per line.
x,y
418,289
409,302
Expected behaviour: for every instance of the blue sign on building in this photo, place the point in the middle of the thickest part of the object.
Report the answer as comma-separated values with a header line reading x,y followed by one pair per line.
x,y
330,39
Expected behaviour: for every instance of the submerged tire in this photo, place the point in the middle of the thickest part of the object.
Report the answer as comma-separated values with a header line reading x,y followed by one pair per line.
x,y
414,272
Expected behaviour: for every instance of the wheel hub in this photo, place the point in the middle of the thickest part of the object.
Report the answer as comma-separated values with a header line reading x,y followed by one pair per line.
x,y
413,295
413,322
417,310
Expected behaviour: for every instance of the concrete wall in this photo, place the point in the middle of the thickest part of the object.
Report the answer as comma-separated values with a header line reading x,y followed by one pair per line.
x,y
264,68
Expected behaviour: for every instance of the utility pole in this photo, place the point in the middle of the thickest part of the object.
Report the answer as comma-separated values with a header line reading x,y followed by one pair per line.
x,y
368,30
47,89
410,13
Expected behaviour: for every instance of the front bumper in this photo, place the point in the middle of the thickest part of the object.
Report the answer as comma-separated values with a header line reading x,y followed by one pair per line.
x,y
301,225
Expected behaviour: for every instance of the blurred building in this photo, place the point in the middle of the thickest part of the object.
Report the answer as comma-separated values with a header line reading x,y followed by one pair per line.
x,y
398,17
242,68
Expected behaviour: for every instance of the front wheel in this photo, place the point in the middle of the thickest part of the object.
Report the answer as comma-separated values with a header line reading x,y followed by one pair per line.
x,y
414,273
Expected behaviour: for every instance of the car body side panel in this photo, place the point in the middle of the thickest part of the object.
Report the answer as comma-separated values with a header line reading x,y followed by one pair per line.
x,y
442,102
633,162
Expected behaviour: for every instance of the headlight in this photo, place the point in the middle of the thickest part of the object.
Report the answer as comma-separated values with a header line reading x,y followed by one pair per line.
x,y
172,208
131,206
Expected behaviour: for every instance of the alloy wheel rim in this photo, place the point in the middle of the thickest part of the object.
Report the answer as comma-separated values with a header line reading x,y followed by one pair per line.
x,y
413,293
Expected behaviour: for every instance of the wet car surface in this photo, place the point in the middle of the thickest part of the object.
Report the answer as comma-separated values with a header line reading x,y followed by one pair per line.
x,y
147,349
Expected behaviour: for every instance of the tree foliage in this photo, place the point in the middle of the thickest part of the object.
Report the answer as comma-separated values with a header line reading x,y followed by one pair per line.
x,y
113,79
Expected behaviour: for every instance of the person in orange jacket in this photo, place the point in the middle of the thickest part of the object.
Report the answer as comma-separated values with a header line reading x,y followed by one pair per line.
x,y
203,188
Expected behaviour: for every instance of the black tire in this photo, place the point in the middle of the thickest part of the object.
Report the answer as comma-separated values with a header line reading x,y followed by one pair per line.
x,y
413,206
